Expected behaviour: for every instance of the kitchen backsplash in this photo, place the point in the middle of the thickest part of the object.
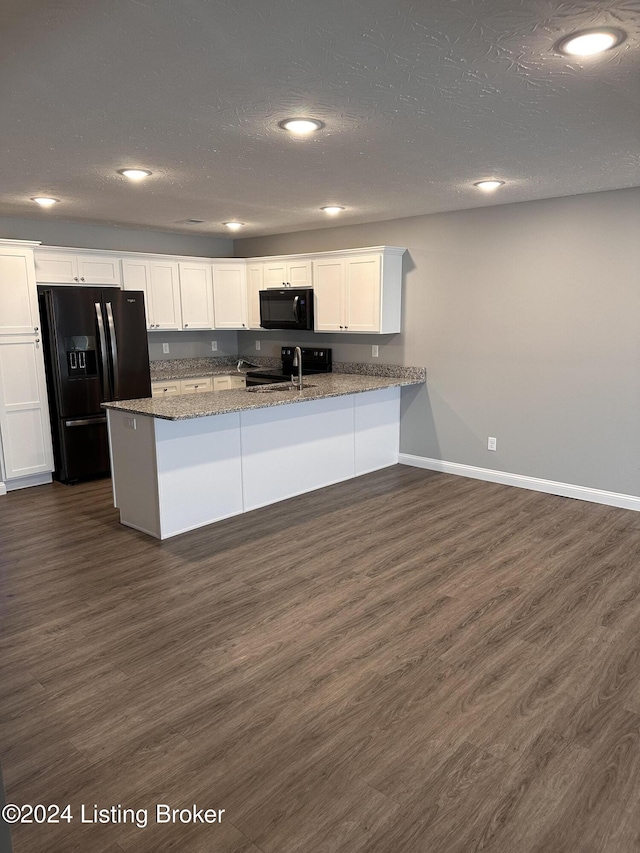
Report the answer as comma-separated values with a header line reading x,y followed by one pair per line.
x,y
167,368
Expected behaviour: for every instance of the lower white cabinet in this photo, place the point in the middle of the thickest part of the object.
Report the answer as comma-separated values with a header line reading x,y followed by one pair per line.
x,y
24,413
25,431
197,385
166,389
228,382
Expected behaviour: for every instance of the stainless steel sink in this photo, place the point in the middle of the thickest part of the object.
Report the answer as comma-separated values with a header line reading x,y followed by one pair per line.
x,y
270,389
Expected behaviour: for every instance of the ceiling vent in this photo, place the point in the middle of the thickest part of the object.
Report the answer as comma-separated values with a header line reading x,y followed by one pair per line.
x,y
190,222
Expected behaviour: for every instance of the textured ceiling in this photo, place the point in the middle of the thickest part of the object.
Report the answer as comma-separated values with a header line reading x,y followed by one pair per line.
x,y
420,99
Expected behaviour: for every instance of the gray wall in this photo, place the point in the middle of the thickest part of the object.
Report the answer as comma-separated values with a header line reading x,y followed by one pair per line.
x,y
54,232
192,344
527,318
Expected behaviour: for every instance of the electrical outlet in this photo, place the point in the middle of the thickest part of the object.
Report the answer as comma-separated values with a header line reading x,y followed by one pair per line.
x,y
165,349
374,351
214,346
492,443
129,423
257,345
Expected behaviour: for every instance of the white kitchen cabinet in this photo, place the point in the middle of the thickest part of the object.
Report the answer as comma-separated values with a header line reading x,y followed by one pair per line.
x,y
166,389
230,296
24,413
281,272
25,431
159,279
255,283
18,294
197,385
359,293
228,382
69,267
196,296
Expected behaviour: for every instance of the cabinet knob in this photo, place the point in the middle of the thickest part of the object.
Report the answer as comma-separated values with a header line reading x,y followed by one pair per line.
x,y
75,278
35,329
37,340
341,327
186,325
81,278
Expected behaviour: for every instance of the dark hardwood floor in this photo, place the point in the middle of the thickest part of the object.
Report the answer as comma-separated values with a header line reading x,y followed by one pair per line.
x,y
427,663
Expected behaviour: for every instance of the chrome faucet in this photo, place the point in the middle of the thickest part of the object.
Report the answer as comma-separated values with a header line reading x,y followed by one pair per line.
x,y
297,362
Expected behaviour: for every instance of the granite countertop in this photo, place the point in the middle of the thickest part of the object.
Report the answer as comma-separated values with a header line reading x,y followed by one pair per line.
x,y
318,387
190,368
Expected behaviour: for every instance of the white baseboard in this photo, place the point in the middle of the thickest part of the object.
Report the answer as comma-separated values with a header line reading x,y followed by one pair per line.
x,y
3,489
26,482
551,487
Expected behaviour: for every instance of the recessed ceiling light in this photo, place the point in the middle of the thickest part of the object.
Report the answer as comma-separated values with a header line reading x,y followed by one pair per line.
x,y
134,174
488,186
589,42
45,202
301,126
233,226
332,209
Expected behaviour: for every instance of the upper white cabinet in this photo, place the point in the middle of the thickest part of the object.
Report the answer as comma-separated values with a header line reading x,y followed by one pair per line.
x,y
359,293
230,295
159,279
18,295
75,267
255,283
25,430
282,272
196,296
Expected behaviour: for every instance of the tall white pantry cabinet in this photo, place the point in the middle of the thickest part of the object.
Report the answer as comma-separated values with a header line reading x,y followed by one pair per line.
x,y
26,452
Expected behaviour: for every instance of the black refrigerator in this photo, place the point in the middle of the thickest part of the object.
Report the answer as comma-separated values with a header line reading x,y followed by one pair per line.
x,y
95,346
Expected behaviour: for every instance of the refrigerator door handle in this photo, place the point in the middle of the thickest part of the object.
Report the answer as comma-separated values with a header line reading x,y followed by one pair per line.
x,y
77,422
103,352
114,350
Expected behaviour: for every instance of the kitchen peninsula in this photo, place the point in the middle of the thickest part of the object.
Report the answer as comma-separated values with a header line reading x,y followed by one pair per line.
x,y
184,462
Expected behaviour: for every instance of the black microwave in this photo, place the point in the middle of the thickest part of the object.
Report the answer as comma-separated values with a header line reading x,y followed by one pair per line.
x,y
290,308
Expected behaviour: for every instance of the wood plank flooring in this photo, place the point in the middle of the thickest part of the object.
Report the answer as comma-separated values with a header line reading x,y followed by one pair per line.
x,y
428,664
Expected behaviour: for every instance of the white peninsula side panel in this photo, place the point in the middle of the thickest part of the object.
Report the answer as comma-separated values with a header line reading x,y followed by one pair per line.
x,y
174,476
288,450
377,430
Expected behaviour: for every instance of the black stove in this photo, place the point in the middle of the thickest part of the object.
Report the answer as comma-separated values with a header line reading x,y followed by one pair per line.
x,y
314,360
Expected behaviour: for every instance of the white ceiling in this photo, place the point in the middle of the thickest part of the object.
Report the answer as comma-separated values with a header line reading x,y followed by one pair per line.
x,y
420,99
